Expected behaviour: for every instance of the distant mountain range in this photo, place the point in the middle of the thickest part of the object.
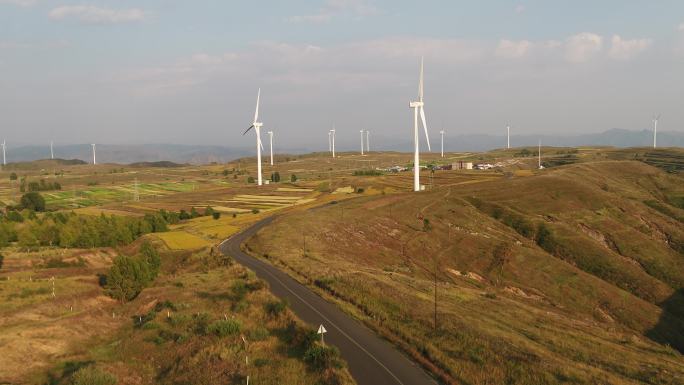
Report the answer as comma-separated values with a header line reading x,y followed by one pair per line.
x,y
202,154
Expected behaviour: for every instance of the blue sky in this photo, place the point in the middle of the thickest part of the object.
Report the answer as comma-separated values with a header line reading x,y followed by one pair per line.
x,y
187,71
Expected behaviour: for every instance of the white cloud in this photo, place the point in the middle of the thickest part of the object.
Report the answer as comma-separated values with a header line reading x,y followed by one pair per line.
x,y
21,3
626,49
95,15
332,8
582,47
513,49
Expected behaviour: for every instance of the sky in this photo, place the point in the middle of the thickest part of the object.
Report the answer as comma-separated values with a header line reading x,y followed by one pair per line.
x,y
187,72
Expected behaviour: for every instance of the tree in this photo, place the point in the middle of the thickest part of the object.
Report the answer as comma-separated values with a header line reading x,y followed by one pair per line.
x,y
250,179
151,257
216,215
126,278
33,201
13,176
275,177
293,178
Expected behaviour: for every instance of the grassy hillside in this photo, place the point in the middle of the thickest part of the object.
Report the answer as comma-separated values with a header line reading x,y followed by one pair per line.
x,y
570,275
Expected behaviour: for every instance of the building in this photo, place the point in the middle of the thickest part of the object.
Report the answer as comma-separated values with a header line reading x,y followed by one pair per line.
x,y
461,165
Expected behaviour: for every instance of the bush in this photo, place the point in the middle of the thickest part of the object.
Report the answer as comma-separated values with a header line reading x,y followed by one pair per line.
x,y
250,179
224,328
92,376
33,201
255,211
127,277
216,215
322,357
293,178
2,260
15,216
275,308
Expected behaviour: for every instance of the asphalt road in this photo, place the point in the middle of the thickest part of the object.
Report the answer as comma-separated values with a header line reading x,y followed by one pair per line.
x,y
371,360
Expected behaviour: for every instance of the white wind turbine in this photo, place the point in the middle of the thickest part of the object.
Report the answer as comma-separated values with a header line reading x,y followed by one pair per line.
x,y
270,139
94,159
361,132
418,109
52,152
4,156
332,134
655,128
442,134
508,136
256,125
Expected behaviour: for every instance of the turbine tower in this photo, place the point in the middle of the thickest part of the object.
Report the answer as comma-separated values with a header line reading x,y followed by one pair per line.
x,y
442,134
270,139
367,142
52,152
329,141
256,125
94,159
539,156
361,141
508,136
332,134
4,155
418,109
655,128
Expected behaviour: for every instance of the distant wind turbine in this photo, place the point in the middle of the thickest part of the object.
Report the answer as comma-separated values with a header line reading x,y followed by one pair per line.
x,y
367,141
332,134
539,165
256,125
4,155
52,152
94,159
655,128
361,132
270,139
442,134
418,109
508,136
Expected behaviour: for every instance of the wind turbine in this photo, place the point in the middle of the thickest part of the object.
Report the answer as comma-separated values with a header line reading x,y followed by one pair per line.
x,y
270,139
442,134
256,125
52,152
418,109
539,156
367,142
361,141
508,136
4,156
94,159
655,128
332,133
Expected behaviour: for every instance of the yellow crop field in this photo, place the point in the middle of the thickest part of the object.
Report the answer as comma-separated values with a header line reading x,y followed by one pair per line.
x,y
180,240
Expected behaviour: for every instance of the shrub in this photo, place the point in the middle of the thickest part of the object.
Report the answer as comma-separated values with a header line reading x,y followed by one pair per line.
x,y
322,357
127,277
15,216
275,308
201,326
250,179
33,201
293,178
255,211
216,215
224,328
259,334
2,260
92,376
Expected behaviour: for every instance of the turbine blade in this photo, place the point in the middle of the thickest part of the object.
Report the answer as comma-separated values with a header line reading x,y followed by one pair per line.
x,y
422,118
420,84
247,130
256,112
260,144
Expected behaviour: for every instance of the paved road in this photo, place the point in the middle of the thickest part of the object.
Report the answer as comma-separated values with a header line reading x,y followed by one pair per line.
x,y
372,360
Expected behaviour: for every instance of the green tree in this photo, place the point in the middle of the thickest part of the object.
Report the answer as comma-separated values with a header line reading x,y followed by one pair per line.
x,y
27,238
13,176
33,201
250,179
293,178
15,216
151,257
127,277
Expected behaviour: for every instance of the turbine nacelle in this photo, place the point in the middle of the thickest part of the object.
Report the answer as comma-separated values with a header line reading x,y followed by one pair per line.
x,y
416,104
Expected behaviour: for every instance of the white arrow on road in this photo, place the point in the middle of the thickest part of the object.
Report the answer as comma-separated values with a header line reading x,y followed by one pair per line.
x,y
321,331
